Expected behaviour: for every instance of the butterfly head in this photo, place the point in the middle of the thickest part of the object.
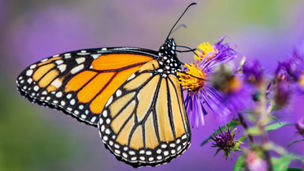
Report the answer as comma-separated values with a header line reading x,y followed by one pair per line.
x,y
167,57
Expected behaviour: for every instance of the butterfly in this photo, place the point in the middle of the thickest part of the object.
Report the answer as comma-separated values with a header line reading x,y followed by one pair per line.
x,y
132,95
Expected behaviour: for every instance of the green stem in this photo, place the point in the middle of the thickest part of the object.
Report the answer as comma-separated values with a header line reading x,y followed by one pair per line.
x,y
262,122
244,124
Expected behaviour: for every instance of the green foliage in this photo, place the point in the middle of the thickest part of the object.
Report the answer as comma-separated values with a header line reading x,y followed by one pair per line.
x,y
294,169
276,126
257,131
254,131
282,163
27,143
239,164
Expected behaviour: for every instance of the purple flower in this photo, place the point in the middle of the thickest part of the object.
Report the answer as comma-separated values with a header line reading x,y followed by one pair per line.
x,y
298,51
281,86
236,93
294,67
199,92
254,162
225,140
219,53
253,72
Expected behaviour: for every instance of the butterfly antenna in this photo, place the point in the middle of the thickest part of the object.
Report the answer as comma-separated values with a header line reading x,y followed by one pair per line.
x,y
178,27
193,3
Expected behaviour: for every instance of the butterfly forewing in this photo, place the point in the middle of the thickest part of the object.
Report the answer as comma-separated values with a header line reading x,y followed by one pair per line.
x,y
144,121
80,82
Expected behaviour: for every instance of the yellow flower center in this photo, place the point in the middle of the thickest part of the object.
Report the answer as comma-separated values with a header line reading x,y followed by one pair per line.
x,y
205,49
193,79
301,80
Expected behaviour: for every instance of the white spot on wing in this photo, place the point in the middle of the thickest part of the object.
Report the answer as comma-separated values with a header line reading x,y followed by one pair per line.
x,y
83,52
62,103
33,66
95,55
80,60
62,67
118,93
109,101
67,55
56,83
29,80
131,77
69,96
77,69
105,113
36,88
72,102
93,119
131,152
29,72
58,62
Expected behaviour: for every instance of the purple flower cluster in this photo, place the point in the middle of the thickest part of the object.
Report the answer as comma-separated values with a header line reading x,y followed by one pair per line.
x,y
210,85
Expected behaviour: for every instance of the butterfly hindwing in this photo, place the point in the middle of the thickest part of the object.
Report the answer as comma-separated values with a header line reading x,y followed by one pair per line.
x,y
144,121
80,82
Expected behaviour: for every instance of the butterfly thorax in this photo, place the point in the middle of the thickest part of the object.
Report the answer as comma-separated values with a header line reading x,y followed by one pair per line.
x,y
168,61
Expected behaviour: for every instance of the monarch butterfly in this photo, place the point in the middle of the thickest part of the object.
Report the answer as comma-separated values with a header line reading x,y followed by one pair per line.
x,y
132,95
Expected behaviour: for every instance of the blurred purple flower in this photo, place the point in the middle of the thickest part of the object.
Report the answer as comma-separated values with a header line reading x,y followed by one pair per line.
x,y
199,92
254,162
298,51
282,90
300,127
294,67
235,91
253,72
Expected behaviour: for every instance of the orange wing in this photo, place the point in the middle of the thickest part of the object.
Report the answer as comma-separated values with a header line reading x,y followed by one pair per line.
x,y
145,122
79,83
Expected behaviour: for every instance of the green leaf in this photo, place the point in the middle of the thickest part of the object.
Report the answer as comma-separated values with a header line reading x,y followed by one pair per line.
x,y
294,169
239,142
242,138
281,164
239,164
254,131
295,141
231,125
276,126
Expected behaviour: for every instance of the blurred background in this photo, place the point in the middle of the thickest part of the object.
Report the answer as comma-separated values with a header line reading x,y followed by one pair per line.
x,y
37,138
